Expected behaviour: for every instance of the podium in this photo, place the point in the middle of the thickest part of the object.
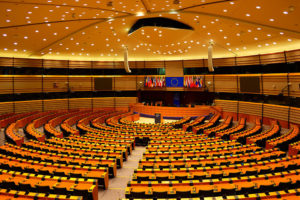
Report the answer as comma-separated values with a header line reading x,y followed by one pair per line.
x,y
158,118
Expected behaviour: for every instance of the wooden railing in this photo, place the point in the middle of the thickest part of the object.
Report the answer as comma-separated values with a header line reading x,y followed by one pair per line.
x,y
173,111
267,112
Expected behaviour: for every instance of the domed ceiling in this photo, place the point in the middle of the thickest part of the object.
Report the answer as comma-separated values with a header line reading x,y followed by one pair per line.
x,y
99,29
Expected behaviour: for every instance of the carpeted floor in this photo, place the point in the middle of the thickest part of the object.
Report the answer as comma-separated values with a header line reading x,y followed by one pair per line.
x,y
117,185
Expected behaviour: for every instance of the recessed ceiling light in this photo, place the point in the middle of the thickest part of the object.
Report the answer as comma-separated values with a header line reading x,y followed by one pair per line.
x,y
271,20
258,7
285,12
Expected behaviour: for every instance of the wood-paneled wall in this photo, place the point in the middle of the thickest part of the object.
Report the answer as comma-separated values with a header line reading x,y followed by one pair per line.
x,y
274,83
61,104
28,84
55,104
271,84
172,111
226,83
125,83
295,115
6,107
294,87
250,110
174,68
28,106
6,85
280,57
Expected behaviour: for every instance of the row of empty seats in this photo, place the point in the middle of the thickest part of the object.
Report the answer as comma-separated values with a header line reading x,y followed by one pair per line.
x,y
80,150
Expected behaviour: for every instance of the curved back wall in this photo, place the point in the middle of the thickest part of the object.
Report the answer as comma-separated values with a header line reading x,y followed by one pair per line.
x,y
119,103
286,115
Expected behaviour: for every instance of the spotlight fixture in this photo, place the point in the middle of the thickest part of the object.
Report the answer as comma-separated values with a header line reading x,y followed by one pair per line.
x,y
176,2
109,4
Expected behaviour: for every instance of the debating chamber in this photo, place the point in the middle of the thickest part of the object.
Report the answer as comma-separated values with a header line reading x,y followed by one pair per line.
x,y
149,99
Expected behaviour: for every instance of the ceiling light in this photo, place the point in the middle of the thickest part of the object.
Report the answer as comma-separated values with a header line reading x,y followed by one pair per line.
x,y
173,12
139,14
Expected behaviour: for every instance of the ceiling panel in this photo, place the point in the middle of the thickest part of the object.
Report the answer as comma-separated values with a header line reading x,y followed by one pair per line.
x,y
98,29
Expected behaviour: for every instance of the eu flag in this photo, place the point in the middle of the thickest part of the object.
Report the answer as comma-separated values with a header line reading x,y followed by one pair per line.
x,y
174,81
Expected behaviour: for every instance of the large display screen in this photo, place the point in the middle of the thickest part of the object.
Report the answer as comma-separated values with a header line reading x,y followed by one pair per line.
x,y
250,84
103,83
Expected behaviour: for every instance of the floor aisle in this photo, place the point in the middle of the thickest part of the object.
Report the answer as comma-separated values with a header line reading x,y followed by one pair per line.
x,y
117,185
